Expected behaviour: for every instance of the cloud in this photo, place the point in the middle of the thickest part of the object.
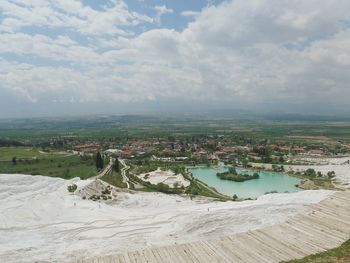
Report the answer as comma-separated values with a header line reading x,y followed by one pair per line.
x,y
61,48
72,15
189,13
248,54
161,10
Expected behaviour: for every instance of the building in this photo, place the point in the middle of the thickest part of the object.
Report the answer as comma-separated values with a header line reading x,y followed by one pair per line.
x,y
87,148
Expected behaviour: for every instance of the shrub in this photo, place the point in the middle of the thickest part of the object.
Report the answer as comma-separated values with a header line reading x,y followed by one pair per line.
x,y
162,187
331,174
106,191
194,190
277,168
71,188
310,172
232,170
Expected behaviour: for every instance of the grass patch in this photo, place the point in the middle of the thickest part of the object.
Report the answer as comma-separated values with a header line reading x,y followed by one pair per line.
x,y
337,255
199,188
115,179
66,167
7,153
323,182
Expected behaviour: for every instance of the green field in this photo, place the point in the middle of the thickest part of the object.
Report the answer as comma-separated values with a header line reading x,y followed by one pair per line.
x,y
120,128
7,153
32,161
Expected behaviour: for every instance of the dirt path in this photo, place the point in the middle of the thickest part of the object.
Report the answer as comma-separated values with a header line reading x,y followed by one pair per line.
x,y
106,170
123,172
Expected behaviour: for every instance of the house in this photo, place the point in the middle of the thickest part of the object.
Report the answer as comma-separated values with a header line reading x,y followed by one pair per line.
x,y
285,148
87,148
200,154
127,154
298,149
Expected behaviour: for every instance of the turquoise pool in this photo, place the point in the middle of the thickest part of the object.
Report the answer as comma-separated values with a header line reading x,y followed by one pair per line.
x,y
268,181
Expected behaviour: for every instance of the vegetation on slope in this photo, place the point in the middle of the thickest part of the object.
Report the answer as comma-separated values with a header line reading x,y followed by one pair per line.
x,y
320,180
115,179
32,161
337,255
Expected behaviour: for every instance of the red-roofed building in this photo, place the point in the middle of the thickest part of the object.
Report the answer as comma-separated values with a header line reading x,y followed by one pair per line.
x,y
285,148
88,148
128,153
298,149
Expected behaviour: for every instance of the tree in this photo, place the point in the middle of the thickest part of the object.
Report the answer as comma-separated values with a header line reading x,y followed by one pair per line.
x,y
331,174
310,172
235,197
256,175
232,170
99,161
14,160
265,153
116,166
281,159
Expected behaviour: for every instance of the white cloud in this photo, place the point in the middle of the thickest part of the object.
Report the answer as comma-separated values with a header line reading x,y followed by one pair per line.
x,y
161,10
189,13
70,14
60,49
245,53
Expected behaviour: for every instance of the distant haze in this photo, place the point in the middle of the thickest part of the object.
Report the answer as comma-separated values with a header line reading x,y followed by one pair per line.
x,y
79,57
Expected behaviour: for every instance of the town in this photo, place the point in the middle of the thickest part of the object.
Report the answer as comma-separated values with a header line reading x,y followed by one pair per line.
x,y
164,162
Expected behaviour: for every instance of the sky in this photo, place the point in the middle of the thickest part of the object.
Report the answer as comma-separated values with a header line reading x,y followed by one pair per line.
x,y
72,57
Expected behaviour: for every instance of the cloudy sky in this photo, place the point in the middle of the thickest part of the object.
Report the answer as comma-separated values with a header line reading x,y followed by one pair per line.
x,y
133,56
